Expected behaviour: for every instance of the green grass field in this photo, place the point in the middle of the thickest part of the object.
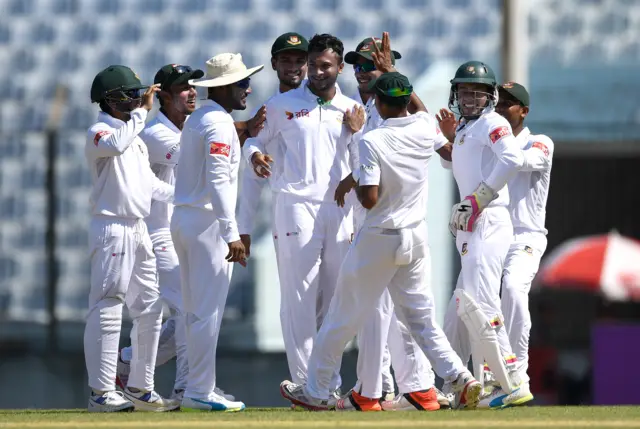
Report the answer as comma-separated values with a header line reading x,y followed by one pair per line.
x,y
265,418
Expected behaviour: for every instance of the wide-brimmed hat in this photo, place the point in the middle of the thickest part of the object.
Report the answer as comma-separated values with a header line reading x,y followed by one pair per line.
x,y
225,69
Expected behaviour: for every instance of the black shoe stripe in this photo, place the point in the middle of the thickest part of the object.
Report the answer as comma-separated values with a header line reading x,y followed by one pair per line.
x,y
413,402
354,403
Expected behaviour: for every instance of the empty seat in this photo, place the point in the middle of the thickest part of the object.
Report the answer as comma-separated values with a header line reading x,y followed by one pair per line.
x,y
193,6
258,31
77,177
5,34
282,5
237,6
129,32
33,177
459,4
613,24
33,236
567,26
348,29
20,7
479,26
418,4
171,32
8,267
394,27
23,60
146,7
86,33
111,7
43,33
66,7
214,30
435,27
66,60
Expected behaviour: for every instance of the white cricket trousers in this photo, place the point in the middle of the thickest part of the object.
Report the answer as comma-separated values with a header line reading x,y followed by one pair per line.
x,y
313,239
123,270
482,255
369,268
205,278
521,266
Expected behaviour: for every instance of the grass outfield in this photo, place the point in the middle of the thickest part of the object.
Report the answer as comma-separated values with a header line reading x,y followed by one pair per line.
x,y
516,418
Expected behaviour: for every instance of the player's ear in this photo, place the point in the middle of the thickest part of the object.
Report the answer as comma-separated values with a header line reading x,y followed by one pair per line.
x,y
340,67
273,63
524,112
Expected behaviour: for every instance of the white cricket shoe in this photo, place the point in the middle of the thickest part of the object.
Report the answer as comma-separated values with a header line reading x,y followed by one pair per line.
x,y
122,372
224,394
424,400
109,402
466,390
443,400
296,394
150,401
177,394
500,399
213,402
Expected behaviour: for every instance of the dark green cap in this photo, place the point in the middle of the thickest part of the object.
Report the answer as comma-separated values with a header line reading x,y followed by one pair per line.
x,y
114,78
365,49
517,91
393,88
288,42
175,74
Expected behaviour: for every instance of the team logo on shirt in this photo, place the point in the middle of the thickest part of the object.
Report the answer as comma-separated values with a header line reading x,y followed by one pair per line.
x,y
461,141
219,149
528,249
99,135
498,133
294,40
464,249
543,147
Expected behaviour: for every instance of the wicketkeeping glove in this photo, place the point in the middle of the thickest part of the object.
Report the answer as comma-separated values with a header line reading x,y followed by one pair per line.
x,y
465,213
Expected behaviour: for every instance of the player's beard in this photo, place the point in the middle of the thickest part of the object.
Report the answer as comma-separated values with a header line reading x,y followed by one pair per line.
x,y
323,85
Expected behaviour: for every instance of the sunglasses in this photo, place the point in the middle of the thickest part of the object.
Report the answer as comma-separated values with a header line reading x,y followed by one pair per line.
x,y
364,68
244,83
124,96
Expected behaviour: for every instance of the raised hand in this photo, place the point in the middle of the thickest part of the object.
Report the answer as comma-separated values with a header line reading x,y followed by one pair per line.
x,y
383,59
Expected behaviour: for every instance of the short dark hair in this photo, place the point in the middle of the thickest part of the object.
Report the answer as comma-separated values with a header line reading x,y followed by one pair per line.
x,y
322,42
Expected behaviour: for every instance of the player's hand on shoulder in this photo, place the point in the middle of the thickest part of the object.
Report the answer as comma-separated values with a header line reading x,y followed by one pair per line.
x,y
448,124
354,118
255,124
148,96
237,253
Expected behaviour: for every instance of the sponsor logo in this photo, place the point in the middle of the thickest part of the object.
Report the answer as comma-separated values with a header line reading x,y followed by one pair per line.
x,y
99,135
172,151
464,249
528,249
498,133
297,115
219,149
542,147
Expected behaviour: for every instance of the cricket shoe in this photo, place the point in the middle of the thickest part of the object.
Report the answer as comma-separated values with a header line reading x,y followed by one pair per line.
x,y
443,400
499,399
213,402
387,396
150,401
122,372
109,402
466,390
353,401
225,395
423,400
177,394
296,394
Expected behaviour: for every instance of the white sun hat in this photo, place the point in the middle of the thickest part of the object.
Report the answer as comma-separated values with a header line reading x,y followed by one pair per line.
x,y
225,69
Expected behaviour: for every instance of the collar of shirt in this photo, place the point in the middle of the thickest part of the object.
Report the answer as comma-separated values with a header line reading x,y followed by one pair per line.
x,y
213,105
524,134
167,122
400,121
109,120
311,96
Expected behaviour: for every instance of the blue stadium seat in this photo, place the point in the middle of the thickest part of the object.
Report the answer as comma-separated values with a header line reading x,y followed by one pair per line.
x,y
24,60
237,6
306,28
418,4
435,27
33,177
78,177
193,6
394,26
111,7
12,145
479,26
66,7
459,4
8,267
214,31
129,32
5,34
86,33
612,24
567,26
172,32
282,5
154,58
146,7
372,4
74,237
33,236
20,7
109,57
420,59
79,117
348,28
461,51
43,33
258,31
66,60
328,5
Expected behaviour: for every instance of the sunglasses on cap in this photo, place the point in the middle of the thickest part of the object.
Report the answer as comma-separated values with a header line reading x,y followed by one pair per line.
x,y
244,83
175,72
364,68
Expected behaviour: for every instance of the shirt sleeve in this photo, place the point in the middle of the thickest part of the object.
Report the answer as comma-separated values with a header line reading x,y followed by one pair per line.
x,y
249,200
510,157
354,155
162,146
369,164
161,191
219,138
104,141
538,156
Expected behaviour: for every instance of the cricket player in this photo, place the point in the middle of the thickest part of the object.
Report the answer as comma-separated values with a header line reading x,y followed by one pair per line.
x,y
528,192
289,60
411,367
203,226
389,251
313,232
485,156
123,266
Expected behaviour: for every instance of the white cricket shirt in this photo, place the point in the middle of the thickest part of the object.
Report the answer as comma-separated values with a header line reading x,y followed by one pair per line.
x,y
315,140
529,189
207,177
123,183
395,157
162,138
485,150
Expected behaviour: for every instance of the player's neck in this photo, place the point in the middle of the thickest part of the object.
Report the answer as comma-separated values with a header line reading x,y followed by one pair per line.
x,y
518,129
176,118
283,87
324,95
364,96
223,103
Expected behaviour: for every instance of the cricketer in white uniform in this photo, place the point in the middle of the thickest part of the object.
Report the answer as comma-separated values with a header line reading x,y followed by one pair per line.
x,y
485,156
413,371
162,137
389,251
289,60
123,267
203,226
313,232
528,192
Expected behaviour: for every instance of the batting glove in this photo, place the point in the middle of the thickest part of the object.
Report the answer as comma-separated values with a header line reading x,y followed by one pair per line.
x,y
465,213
